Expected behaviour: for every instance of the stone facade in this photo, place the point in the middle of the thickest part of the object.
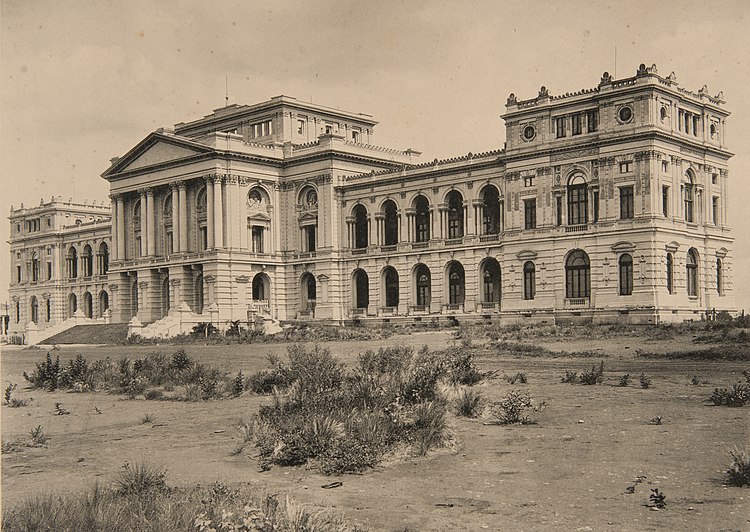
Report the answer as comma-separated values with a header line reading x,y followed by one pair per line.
x,y
608,204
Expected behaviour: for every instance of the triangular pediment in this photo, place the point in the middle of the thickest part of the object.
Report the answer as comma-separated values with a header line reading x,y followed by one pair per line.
x,y
157,149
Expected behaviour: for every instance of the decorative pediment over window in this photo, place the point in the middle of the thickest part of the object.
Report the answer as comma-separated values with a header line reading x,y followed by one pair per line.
x,y
721,252
526,254
157,149
672,246
259,217
623,247
307,218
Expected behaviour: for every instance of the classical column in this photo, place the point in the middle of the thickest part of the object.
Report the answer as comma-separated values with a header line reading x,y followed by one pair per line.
x,y
218,214
210,212
175,218
144,223
151,243
120,227
183,226
115,247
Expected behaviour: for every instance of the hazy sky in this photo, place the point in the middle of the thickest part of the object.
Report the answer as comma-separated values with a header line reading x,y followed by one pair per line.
x,y
85,81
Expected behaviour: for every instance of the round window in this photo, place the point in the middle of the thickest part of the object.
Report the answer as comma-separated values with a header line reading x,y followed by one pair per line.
x,y
663,114
529,133
625,114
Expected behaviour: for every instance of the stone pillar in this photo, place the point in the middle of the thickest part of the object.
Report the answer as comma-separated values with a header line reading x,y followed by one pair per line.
x,y
144,223
114,204
151,225
183,225
175,218
218,214
209,212
120,228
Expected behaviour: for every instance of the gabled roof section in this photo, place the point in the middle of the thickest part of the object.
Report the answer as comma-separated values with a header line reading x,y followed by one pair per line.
x,y
157,148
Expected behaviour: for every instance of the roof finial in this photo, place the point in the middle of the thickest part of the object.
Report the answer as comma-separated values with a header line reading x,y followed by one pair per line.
x,y
226,94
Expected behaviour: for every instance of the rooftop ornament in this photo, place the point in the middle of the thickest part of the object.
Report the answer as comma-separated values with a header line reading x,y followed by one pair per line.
x,y
543,92
511,99
606,78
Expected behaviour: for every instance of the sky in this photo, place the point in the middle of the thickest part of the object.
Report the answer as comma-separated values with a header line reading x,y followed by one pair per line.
x,y
82,82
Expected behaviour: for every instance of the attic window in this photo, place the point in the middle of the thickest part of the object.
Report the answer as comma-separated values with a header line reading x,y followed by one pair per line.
x,y
355,136
261,129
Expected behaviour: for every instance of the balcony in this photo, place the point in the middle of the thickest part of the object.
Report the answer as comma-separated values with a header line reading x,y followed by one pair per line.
x,y
420,245
577,302
388,248
453,307
419,309
359,251
489,238
580,228
486,305
259,306
454,241
388,311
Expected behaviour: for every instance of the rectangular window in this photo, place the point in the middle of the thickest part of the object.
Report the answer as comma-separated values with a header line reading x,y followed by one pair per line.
x,y
715,210
626,203
696,125
578,206
714,178
355,136
18,274
310,237
138,246
300,127
261,129
529,209
49,271
329,130
528,181
665,166
204,238
529,281
626,167
560,126
168,243
688,191
576,124
592,117
34,270
596,206
665,201
257,238
559,211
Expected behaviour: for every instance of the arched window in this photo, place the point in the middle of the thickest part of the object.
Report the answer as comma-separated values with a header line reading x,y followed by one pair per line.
x,y
261,287
103,259
691,264
490,276
72,305
689,191
626,274
137,250
308,292
719,278
390,276
308,203
670,273
168,225
48,315
456,279
361,289
165,303
103,302
134,297
34,304
72,263
423,283
18,311
391,223
529,280
34,268
578,194
360,226
421,219
88,261
201,207
577,275
88,305
455,214
490,210
198,300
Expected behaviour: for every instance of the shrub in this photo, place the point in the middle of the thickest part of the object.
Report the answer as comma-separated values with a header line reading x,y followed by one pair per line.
x,y
658,498
511,408
460,367
238,384
624,380
204,329
645,381
570,377
180,360
38,437
593,376
46,375
9,391
148,418
519,377
694,381
17,403
60,411
154,395
429,428
468,403
264,381
141,479
737,395
738,473
349,454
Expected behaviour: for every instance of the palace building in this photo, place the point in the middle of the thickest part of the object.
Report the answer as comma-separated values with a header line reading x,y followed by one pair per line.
x,y
607,204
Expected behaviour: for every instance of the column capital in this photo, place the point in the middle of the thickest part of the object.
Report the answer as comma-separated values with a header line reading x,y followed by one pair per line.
x,y
116,197
174,184
143,191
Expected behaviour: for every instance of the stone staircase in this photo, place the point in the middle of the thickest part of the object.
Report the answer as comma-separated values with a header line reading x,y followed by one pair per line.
x,y
99,333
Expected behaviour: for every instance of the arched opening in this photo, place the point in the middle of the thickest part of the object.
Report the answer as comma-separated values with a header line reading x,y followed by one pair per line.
x,y
72,263
308,292
390,280
134,297
72,305
455,214
167,232
198,294
688,192
691,264
88,261
34,304
103,259
165,304
34,268
490,279
361,289
391,223
529,280
578,202
88,305
421,219
48,314
577,275
626,274
670,273
258,219
308,220
103,302
201,207
456,282
360,226
719,277
137,249
490,210
261,287
422,284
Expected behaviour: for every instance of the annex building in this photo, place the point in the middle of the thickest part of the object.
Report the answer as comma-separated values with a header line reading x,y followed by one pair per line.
x,y
606,204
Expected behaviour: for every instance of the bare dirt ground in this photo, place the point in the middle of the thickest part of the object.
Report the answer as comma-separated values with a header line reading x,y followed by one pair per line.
x,y
569,471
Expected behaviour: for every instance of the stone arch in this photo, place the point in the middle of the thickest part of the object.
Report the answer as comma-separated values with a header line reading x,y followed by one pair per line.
x,y
422,283
390,287
455,280
490,280
360,289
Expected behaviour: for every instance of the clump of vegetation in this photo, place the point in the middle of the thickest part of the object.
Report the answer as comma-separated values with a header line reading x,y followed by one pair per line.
x,y
39,437
13,402
593,376
656,420
238,384
345,421
9,392
141,479
645,381
658,499
468,403
737,395
519,377
60,411
738,473
511,409
147,418
694,381
624,380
